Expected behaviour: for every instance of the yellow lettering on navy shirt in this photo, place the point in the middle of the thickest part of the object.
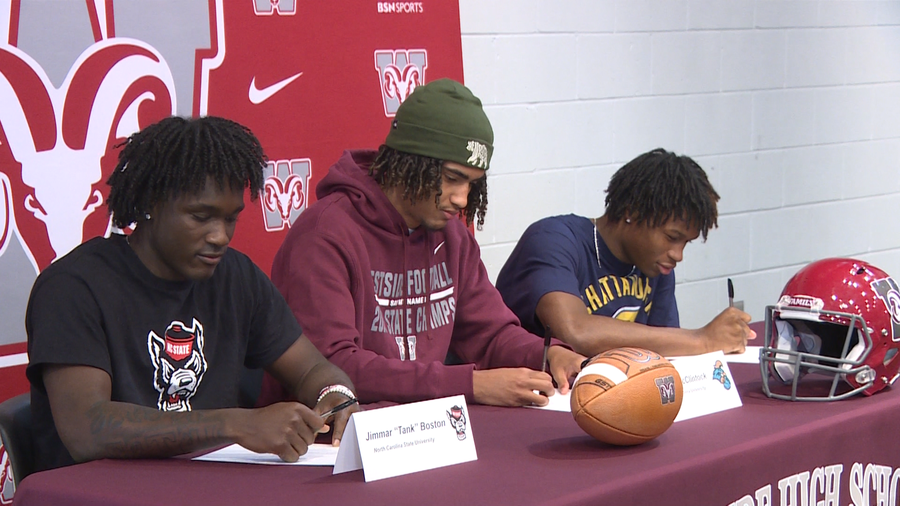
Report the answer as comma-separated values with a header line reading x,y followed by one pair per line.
x,y
609,289
591,294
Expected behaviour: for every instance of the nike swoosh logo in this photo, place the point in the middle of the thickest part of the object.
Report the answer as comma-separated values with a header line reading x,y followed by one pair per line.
x,y
258,96
438,247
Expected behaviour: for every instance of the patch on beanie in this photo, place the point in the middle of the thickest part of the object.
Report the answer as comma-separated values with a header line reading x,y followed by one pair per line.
x,y
479,156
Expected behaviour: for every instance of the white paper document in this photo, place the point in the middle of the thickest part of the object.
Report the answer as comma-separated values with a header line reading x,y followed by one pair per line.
x,y
558,402
750,356
316,455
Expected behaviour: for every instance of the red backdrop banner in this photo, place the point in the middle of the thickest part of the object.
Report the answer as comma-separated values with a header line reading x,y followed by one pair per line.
x,y
310,78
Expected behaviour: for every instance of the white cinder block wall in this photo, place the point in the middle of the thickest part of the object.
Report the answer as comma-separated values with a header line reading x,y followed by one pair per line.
x,y
792,107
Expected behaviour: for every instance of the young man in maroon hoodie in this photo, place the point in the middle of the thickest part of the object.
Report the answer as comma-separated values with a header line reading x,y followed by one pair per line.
x,y
386,280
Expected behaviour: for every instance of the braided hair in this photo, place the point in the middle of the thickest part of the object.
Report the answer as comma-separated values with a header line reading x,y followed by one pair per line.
x,y
658,186
420,177
176,156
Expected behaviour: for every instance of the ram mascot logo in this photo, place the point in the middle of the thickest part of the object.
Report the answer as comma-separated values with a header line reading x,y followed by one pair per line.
x,y
399,73
60,138
179,364
285,192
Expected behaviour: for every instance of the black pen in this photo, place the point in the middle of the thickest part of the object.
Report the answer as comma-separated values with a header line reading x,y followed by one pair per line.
x,y
730,293
546,348
343,405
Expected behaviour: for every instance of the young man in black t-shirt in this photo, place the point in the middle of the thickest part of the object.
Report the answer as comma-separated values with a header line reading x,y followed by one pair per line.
x,y
137,343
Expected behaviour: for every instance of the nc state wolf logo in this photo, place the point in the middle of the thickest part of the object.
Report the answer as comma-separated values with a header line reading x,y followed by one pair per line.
x,y
458,421
7,479
399,73
285,192
179,364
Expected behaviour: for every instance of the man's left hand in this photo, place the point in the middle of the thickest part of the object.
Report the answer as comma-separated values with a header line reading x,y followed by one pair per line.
x,y
337,421
565,364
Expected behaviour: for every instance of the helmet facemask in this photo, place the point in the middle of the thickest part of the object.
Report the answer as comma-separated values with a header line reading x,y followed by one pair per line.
x,y
829,347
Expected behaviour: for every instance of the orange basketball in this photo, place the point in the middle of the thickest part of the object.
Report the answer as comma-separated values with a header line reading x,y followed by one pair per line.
x,y
626,396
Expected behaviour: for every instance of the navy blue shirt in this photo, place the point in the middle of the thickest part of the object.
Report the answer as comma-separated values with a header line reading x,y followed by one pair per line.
x,y
557,254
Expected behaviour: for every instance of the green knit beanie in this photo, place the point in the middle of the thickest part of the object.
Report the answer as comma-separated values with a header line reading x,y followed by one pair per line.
x,y
443,120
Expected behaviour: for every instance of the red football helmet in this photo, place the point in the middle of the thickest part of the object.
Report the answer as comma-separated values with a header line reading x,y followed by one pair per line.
x,y
837,318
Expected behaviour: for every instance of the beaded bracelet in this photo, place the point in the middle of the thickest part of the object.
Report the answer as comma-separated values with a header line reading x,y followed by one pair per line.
x,y
332,389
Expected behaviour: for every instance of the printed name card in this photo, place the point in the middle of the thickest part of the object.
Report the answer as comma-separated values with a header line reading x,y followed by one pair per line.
x,y
708,385
408,438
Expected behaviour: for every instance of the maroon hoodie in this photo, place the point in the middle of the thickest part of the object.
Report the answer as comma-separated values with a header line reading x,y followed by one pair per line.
x,y
386,304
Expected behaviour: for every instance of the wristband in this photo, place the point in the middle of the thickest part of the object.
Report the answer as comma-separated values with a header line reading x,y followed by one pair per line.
x,y
335,389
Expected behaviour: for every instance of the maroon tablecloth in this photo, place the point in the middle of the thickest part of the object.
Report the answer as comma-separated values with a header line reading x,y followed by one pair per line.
x,y
528,456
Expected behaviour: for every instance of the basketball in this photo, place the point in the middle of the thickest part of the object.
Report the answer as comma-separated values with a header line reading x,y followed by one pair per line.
x,y
626,396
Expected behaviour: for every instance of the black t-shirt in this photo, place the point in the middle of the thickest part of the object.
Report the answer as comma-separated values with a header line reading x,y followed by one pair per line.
x,y
173,345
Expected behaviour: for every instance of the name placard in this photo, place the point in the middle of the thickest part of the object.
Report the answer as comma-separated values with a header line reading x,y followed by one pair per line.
x,y
408,438
708,385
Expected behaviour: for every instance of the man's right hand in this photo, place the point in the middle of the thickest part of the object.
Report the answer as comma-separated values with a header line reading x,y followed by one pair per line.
x,y
285,429
728,331
512,387
92,426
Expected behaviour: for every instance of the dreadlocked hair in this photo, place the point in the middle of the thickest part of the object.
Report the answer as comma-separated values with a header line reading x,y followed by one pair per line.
x,y
176,156
420,177
658,186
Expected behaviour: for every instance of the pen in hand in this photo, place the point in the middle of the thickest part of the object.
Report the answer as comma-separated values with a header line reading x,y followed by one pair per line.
x,y
546,348
730,293
339,407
